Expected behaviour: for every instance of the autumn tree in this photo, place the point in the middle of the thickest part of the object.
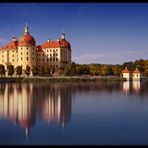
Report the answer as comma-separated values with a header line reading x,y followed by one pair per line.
x,y
10,69
73,69
47,70
19,70
27,70
35,70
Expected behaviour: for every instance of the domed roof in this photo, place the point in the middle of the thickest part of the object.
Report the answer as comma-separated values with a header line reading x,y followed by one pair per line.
x,y
65,44
26,39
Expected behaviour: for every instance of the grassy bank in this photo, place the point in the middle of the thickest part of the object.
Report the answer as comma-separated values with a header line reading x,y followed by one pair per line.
x,y
60,79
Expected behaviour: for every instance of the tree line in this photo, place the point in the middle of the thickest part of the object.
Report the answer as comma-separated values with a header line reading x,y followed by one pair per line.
x,y
108,69
78,69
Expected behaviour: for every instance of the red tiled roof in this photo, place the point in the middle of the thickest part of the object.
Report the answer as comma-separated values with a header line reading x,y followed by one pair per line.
x,y
51,44
126,70
11,45
64,43
39,49
26,40
56,44
136,71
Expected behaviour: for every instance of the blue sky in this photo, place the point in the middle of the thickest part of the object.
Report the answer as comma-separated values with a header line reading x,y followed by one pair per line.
x,y
109,33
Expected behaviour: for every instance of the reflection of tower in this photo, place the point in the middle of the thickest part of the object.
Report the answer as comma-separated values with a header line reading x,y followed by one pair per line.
x,y
126,87
136,86
26,111
17,105
57,106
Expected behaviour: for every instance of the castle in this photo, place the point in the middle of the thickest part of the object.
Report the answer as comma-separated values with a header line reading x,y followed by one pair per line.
x,y
55,54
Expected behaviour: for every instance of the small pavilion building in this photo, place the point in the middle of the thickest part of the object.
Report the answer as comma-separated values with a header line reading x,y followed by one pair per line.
x,y
127,74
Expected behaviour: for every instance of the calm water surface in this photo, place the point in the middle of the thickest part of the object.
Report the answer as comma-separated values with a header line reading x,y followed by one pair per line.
x,y
74,113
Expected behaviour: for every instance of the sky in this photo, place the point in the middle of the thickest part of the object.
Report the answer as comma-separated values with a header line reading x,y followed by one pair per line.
x,y
105,33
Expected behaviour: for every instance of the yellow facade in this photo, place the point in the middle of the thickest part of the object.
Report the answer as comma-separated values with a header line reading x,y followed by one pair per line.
x,y
28,54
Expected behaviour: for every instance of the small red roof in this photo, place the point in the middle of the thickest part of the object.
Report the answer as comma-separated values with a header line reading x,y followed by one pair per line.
x,y
39,49
136,71
11,45
126,70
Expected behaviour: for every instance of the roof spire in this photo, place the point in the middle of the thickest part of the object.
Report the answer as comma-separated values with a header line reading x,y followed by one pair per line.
x,y
26,29
63,35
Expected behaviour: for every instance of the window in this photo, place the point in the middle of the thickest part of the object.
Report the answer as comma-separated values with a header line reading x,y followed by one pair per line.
x,y
12,60
27,48
33,53
13,55
56,66
137,75
47,59
53,59
12,50
21,53
56,49
56,54
21,58
33,58
47,50
2,60
50,50
43,60
2,56
50,54
27,53
50,59
56,59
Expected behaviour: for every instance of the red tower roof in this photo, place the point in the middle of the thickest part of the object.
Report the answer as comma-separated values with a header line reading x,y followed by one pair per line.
x,y
126,70
136,71
26,40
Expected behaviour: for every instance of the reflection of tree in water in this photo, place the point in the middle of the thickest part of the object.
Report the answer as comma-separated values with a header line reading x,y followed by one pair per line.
x,y
51,102
21,103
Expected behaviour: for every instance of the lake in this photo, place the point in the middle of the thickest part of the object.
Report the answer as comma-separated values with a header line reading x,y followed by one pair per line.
x,y
79,113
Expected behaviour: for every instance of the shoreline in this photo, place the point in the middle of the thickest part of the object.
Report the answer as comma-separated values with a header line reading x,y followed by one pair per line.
x,y
61,79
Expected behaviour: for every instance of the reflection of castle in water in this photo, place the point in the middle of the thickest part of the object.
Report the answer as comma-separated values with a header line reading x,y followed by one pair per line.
x,y
132,86
21,102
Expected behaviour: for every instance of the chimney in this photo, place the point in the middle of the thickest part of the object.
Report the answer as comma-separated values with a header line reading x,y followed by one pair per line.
x,y
48,40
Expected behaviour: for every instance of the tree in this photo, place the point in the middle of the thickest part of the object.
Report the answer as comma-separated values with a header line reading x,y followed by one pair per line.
x,y
67,71
41,70
60,71
73,68
28,70
19,70
35,70
47,70
2,70
10,70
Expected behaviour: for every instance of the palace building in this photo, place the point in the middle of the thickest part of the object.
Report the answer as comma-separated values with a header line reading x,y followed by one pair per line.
x,y
25,51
